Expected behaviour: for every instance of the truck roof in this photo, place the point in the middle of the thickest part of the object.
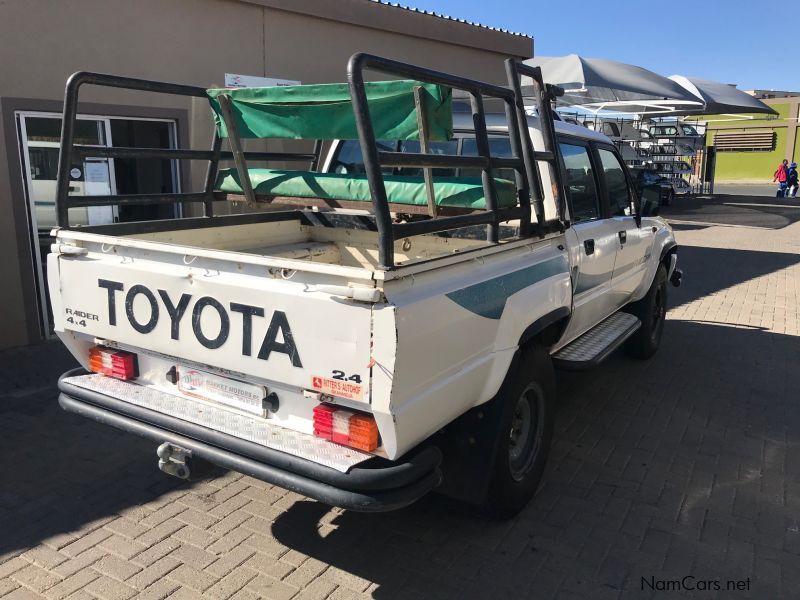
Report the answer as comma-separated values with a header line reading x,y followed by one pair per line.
x,y
497,121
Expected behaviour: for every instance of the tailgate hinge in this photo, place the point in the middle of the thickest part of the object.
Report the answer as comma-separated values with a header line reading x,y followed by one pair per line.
x,y
359,294
68,250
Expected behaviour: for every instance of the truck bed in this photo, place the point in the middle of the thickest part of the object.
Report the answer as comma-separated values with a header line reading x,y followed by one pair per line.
x,y
296,241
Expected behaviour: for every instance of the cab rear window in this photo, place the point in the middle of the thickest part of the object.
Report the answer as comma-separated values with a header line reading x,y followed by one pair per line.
x,y
348,158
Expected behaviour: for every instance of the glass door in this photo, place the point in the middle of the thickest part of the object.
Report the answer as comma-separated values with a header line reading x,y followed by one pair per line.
x,y
39,136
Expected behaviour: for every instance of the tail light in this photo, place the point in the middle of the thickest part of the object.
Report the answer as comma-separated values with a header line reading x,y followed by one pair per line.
x,y
346,427
114,363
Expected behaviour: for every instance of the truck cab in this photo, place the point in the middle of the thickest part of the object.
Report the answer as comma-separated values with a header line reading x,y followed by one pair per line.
x,y
610,244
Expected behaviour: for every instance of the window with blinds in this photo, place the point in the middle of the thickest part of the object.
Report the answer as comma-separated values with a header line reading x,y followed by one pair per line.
x,y
744,141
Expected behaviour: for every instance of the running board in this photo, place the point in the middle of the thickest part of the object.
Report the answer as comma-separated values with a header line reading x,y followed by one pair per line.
x,y
595,345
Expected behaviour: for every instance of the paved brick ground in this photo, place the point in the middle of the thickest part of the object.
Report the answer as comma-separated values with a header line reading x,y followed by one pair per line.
x,y
686,465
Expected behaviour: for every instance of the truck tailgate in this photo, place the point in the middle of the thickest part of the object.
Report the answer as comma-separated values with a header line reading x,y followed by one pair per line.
x,y
266,326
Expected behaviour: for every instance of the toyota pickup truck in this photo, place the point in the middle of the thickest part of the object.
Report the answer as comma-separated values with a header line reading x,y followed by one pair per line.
x,y
389,323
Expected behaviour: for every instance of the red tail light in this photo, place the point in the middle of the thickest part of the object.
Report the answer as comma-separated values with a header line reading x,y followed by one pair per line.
x,y
346,427
114,363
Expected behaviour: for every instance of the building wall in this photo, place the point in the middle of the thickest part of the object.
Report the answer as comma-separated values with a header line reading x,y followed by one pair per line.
x,y
194,42
796,156
758,167
751,166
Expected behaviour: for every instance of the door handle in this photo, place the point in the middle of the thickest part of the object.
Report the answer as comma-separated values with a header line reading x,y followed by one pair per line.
x,y
623,237
588,246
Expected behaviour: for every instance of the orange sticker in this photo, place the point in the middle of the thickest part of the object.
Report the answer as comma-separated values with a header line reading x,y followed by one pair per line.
x,y
336,387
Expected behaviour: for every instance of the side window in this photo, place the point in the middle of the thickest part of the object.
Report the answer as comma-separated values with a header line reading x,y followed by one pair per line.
x,y
499,147
349,160
580,182
619,198
448,147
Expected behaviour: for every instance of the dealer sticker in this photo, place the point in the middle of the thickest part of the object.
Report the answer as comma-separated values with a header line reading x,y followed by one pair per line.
x,y
238,394
335,387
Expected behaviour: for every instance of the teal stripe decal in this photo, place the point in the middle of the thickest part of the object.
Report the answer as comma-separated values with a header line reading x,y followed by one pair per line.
x,y
588,282
488,298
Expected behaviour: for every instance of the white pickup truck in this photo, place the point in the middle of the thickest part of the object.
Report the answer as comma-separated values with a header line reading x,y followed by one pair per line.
x,y
391,324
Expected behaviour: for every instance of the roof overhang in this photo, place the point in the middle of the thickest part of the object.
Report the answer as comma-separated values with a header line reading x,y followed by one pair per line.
x,y
394,18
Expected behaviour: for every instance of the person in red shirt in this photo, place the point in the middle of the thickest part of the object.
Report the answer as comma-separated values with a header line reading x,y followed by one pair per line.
x,y
781,176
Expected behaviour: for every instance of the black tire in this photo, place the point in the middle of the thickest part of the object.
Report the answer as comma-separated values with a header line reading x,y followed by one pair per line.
x,y
525,433
652,312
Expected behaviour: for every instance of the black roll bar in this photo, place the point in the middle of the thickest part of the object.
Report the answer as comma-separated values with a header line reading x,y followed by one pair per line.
x,y
522,162
71,151
374,160
542,95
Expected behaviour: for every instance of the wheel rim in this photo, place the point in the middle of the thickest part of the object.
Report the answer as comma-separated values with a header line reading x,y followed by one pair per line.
x,y
659,313
526,432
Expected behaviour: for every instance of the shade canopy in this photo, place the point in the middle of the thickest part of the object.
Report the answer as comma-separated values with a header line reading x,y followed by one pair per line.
x,y
598,83
721,98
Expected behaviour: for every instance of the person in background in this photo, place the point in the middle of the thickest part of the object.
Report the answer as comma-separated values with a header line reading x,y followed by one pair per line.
x,y
791,181
780,176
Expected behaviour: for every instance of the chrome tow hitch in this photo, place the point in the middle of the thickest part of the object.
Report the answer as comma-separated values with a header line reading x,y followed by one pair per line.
x,y
179,462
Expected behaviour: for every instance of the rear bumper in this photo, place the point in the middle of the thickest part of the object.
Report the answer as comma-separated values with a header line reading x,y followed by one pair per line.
x,y
376,486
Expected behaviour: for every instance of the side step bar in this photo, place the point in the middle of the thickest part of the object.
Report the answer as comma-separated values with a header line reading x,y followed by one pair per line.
x,y
595,345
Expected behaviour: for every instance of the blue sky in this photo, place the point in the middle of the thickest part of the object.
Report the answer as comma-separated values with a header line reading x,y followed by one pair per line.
x,y
746,43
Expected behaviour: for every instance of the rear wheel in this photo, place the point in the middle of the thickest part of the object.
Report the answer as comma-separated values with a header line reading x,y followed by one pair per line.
x,y
525,432
652,312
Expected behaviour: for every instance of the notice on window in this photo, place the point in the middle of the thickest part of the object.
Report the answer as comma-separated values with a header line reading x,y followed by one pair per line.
x,y
96,172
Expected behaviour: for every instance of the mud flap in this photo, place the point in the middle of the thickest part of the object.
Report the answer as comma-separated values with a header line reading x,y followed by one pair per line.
x,y
469,446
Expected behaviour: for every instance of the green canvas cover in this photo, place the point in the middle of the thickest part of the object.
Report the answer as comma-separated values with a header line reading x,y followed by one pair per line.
x,y
325,112
456,192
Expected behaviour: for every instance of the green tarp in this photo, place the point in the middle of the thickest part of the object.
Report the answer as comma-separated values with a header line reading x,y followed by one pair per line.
x,y
457,192
325,111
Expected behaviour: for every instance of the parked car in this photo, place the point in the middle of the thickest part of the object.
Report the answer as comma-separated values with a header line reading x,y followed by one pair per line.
x,y
680,185
653,189
670,149
678,167
673,130
678,134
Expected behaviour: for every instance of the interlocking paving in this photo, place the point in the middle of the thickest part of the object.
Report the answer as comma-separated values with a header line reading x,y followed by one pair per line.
x,y
686,465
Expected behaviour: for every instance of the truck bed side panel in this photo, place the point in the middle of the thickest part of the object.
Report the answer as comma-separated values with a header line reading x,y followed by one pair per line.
x,y
457,332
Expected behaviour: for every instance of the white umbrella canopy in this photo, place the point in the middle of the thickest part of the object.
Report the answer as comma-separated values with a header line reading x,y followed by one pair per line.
x,y
597,84
721,98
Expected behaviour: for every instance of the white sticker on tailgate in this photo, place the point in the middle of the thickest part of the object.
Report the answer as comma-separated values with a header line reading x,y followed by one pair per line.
x,y
337,387
241,395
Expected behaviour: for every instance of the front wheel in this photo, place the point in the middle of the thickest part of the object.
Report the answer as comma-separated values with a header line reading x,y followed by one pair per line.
x,y
525,432
652,312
